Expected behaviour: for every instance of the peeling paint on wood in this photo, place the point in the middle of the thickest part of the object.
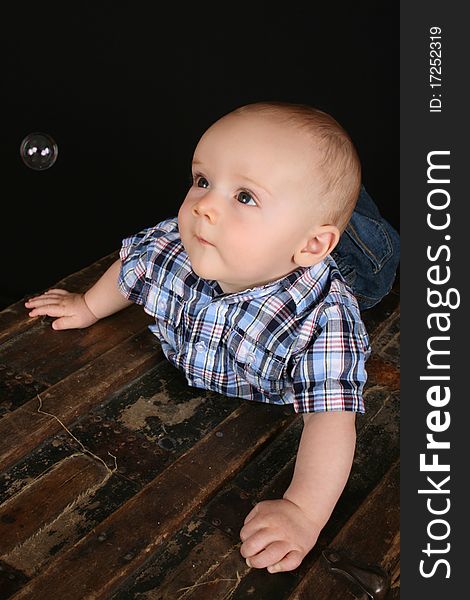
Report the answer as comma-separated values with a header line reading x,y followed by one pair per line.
x,y
183,467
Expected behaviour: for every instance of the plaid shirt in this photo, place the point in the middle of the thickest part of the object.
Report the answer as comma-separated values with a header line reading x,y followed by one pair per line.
x,y
299,340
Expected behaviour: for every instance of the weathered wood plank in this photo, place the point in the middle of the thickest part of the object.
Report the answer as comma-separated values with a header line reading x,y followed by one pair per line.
x,y
216,554
152,422
224,571
156,435
220,581
69,527
147,424
266,477
14,319
387,342
11,580
59,535
49,356
382,372
186,546
35,464
74,395
371,532
198,571
230,506
136,426
16,388
134,531
46,498
229,512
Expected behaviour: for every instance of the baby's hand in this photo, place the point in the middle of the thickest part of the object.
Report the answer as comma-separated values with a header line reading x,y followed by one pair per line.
x,y
277,534
71,309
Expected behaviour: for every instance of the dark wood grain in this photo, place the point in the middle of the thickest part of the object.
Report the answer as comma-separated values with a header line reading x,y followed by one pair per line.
x,y
140,491
135,529
14,319
75,394
373,531
46,498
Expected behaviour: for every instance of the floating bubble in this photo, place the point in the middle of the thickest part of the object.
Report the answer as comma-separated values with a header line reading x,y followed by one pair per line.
x,y
38,151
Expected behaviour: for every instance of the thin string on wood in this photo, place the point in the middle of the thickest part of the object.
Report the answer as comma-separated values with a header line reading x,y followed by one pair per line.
x,y
227,596
84,450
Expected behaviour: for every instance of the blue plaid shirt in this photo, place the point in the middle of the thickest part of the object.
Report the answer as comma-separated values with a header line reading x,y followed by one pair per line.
x,y
299,340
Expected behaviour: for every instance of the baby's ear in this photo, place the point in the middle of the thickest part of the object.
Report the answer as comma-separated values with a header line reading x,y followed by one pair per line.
x,y
318,245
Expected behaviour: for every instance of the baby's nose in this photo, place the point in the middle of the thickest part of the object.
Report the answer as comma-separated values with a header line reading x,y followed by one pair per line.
x,y
206,207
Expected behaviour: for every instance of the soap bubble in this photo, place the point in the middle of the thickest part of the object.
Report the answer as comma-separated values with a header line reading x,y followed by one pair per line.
x,y
38,151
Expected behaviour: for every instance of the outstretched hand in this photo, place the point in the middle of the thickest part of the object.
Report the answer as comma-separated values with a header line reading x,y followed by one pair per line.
x,y
70,309
277,534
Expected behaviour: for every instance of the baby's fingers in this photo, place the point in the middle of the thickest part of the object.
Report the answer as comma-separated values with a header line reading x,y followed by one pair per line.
x,y
47,296
64,323
57,291
290,561
51,310
41,301
257,542
271,555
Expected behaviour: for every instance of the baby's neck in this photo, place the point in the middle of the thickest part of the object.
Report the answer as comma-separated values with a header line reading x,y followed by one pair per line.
x,y
233,288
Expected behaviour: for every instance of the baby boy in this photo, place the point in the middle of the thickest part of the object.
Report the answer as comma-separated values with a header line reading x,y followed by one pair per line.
x,y
249,303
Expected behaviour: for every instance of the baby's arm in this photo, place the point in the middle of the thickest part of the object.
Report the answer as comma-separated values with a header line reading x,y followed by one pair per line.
x,y
279,533
81,310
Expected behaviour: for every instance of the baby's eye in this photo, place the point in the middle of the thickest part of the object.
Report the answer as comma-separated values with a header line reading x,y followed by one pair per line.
x,y
246,198
201,181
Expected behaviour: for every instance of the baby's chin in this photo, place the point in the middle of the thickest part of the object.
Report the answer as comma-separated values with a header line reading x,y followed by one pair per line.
x,y
214,275
203,270
206,267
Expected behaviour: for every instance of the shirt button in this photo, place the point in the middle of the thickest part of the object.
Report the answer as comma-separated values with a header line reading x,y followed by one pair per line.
x,y
200,346
250,357
161,304
241,354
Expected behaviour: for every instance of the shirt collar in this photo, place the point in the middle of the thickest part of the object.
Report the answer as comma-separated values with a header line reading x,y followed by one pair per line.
x,y
304,286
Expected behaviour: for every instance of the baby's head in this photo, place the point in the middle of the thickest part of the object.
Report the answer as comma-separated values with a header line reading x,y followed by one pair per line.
x,y
274,185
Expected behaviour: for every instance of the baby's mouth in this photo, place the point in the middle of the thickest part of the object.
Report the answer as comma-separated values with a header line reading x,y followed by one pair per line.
x,y
203,241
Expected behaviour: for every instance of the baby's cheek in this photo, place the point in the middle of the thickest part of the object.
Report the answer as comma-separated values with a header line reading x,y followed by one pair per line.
x,y
184,227
182,217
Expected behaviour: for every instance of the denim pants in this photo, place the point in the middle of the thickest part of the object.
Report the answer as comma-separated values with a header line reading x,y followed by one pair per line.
x,y
368,253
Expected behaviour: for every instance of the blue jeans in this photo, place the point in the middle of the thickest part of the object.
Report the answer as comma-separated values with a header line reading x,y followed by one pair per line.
x,y
368,253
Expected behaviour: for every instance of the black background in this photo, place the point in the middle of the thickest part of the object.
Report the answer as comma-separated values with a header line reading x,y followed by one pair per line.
x,y
126,92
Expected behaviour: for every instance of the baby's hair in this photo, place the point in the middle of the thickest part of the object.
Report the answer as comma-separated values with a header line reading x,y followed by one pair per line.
x,y
340,163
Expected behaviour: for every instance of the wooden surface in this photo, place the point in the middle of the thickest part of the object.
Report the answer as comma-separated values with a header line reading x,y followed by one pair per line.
x,y
119,481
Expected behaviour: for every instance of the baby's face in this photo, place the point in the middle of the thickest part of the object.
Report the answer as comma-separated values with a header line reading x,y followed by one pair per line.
x,y
250,204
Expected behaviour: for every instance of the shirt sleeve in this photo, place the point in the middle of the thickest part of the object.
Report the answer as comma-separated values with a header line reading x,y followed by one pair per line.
x,y
135,255
329,374
143,256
